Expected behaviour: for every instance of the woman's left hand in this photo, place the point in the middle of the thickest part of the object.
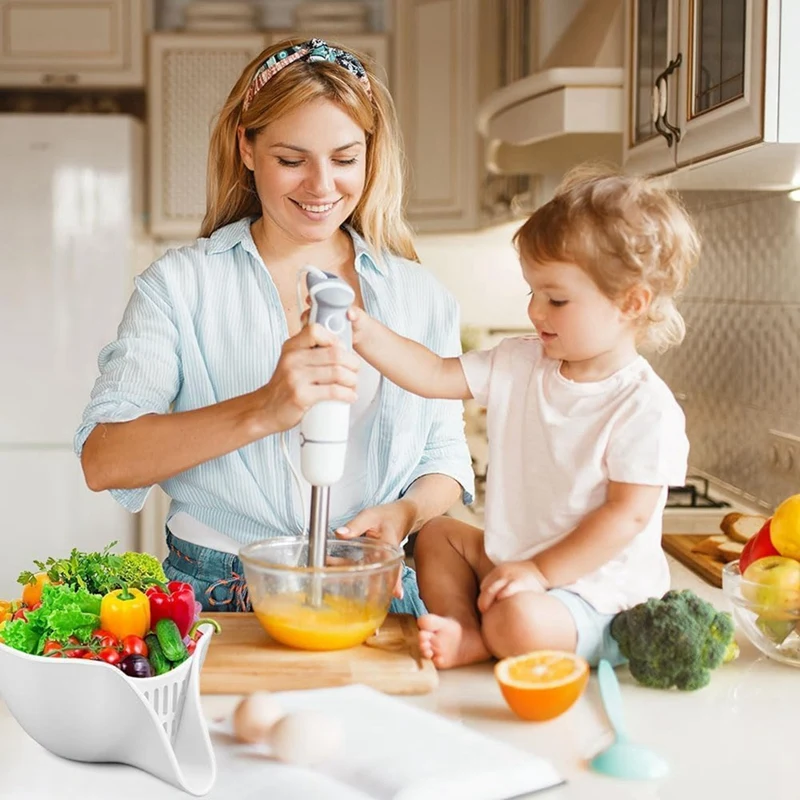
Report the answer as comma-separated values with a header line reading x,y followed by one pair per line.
x,y
389,523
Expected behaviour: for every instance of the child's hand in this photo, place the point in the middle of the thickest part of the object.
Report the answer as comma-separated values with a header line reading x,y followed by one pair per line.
x,y
508,579
359,319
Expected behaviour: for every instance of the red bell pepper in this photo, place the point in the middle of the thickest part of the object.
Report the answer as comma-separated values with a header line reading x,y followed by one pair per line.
x,y
175,603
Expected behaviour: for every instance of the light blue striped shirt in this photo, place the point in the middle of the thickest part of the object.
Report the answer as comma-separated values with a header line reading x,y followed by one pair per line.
x,y
205,324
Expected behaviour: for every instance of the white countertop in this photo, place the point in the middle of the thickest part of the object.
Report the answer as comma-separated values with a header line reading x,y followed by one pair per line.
x,y
731,739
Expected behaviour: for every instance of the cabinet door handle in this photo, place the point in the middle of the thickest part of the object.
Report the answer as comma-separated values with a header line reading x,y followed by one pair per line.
x,y
669,131
660,108
51,79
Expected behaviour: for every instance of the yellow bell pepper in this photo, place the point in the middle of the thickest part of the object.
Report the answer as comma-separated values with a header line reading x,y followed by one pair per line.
x,y
125,612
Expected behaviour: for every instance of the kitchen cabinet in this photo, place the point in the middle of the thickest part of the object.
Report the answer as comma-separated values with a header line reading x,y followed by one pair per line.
x,y
721,95
190,77
651,45
448,56
707,80
695,80
66,43
436,94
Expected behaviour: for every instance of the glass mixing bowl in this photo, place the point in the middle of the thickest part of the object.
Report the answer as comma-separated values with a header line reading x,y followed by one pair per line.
x,y
338,606
768,615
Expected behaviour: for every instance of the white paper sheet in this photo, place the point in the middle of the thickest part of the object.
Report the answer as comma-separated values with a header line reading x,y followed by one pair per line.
x,y
392,751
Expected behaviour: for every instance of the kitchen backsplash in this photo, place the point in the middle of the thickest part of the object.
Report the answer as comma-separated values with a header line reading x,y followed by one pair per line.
x,y
737,373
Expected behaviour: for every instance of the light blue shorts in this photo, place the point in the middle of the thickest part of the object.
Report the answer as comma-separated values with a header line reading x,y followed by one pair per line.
x,y
594,629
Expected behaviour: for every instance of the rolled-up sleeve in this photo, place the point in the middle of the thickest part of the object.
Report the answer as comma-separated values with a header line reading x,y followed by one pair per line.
x,y
446,451
140,372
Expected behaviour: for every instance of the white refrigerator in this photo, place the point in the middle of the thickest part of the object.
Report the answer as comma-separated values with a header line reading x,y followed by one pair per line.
x,y
70,219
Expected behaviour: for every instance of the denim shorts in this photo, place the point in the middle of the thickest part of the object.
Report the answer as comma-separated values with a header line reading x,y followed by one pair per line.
x,y
594,629
219,584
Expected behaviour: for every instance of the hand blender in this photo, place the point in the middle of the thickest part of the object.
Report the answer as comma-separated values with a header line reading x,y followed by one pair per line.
x,y
325,426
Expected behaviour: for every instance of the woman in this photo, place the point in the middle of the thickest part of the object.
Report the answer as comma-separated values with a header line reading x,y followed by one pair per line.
x,y
212,365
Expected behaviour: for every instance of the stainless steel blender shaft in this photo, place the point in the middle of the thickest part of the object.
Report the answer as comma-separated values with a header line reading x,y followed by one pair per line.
x,y
317,538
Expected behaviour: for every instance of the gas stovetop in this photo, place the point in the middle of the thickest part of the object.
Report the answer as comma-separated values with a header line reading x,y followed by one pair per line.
x,y
694,494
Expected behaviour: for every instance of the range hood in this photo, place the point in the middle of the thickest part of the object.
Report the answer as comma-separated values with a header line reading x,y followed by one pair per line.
x,y
571,110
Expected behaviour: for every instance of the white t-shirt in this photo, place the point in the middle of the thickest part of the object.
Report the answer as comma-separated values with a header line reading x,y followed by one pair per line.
x,y
554,444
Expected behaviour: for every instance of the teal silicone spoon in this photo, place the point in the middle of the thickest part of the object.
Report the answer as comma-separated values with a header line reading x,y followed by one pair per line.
x,y
623,758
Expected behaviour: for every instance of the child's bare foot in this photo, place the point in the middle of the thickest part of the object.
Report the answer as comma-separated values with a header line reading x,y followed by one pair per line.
x,y
448,643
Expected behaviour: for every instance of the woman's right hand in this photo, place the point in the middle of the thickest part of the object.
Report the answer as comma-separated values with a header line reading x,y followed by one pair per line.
x,y
312,367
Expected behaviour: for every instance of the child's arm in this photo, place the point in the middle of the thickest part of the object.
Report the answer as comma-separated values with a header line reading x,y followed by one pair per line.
x,y
601,535
410,365
598,538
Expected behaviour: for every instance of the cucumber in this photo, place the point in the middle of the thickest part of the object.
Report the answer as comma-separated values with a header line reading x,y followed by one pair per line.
x,y
155,655
169,637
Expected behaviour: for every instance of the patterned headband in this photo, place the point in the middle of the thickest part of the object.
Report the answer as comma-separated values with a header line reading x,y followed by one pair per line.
x,y
312,50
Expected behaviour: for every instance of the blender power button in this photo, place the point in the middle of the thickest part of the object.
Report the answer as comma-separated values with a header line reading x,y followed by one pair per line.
x,y
335,324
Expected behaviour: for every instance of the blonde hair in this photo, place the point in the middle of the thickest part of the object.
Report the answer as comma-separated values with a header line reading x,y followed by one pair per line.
x,y
231,192
624,232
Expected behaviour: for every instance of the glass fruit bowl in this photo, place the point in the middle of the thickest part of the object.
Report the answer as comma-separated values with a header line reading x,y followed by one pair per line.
x,y
338,606
767,610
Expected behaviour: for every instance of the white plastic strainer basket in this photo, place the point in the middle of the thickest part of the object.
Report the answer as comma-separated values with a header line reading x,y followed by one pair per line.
x,y
91,711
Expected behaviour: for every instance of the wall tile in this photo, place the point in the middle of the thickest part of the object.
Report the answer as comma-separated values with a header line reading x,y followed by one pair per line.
x,y
775,248
738,369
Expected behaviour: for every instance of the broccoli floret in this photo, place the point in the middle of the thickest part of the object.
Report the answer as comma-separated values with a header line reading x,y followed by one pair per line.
x,y
141,570
674,641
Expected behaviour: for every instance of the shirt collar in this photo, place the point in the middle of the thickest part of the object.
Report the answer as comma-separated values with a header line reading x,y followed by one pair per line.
x,y
364,257
229,236
238,232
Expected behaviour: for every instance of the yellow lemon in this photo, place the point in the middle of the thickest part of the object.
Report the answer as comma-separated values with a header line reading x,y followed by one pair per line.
x,y
785,527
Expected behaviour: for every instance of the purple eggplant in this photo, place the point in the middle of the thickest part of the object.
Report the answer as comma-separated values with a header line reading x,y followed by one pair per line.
x,y
136,666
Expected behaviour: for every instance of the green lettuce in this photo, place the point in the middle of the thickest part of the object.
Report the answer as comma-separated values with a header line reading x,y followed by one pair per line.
x,y
64,612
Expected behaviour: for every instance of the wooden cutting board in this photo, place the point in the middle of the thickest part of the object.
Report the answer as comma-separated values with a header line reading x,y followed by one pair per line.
x,y
244,659
679,545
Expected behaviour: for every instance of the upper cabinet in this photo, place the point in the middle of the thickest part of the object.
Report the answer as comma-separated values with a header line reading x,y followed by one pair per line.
x,y
190,78
721,101
651,46
708,93
436,92
66,43
448,56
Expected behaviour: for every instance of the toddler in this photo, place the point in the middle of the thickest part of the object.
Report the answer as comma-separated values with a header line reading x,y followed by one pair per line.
x,y
584,437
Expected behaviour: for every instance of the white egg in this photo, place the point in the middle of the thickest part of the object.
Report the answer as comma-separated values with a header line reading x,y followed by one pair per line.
x,y
307,738
255,717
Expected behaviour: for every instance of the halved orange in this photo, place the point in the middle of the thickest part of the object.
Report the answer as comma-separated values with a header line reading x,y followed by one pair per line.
x,y
543,684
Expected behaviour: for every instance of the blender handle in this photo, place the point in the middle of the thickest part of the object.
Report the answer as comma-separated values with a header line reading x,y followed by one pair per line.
x,y
326,425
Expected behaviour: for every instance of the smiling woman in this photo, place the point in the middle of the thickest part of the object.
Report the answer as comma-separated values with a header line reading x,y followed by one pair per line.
x,y
212,363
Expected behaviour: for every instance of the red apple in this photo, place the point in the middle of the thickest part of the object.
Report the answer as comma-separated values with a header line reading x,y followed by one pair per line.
x,y
759,546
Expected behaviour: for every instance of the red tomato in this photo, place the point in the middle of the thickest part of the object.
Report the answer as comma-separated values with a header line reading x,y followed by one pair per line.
x,y
34,607
134,646
88,655
191,646
110,655
104,638
20,613
53,649
78,652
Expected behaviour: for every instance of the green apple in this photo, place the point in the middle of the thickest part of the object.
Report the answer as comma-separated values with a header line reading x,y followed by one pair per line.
x,y
776,630
772,586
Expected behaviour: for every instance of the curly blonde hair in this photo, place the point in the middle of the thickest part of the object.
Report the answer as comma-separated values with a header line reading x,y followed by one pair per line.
x,y
231,192
623,231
